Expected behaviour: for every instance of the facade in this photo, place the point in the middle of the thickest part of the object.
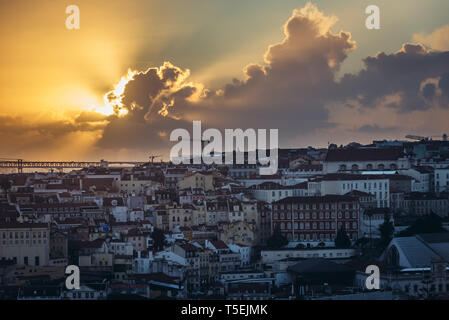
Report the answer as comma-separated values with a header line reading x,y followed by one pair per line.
x,y
131,185
371,220
270,257
441,178
271,191
194,180
58,244
316,218
418,203
356,160
27,244
180,216
377,185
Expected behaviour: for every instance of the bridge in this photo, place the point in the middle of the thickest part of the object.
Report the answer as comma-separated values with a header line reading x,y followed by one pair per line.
x,y
21,164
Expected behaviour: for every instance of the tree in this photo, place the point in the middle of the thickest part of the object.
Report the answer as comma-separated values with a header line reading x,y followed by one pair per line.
x,y
277,240
158,239
362,243
386,231
430,223
5,184
342,240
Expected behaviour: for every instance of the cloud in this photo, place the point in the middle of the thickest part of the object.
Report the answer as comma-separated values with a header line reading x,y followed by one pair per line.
x,y
48,138
294,89
288,91
437,40
367,128
398,75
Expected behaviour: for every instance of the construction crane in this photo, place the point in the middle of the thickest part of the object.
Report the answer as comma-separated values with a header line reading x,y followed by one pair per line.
x,y
420,138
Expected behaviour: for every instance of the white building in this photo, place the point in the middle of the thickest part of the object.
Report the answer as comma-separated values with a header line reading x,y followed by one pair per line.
x,y
28,244
271,256
341,183
271,191
441,178
142,263
244,251
121,248
422,178
120,213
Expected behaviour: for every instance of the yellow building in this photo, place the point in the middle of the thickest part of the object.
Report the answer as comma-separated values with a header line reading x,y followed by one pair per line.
x,y
131,185
181,216
203,180
199,215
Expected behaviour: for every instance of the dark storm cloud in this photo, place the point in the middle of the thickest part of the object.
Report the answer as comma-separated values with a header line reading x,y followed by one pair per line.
x,y
400,73
288,92
291,91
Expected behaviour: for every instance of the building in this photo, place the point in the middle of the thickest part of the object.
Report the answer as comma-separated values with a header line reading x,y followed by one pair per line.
x,y
58,244
441,178
356,160
135,185
271,256
417,203
316,218
417,251
342,183
180,216
194,179
270,191
314,276
228,260
424,177
371,220
172,176
26,244
190,253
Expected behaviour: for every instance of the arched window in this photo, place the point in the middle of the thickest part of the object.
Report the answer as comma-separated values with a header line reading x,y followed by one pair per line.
x,y
354,167
342,167
393,256
369,166
381,166
393,166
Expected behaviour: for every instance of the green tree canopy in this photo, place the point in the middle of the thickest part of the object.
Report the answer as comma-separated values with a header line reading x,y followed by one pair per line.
x,y
386,231
277,240
342,240
158,239
430,223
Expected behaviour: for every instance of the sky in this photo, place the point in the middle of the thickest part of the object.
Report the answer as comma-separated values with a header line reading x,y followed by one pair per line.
x,y
137,69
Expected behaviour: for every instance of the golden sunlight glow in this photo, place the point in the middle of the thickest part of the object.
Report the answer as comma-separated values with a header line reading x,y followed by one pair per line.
x,y
113,99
